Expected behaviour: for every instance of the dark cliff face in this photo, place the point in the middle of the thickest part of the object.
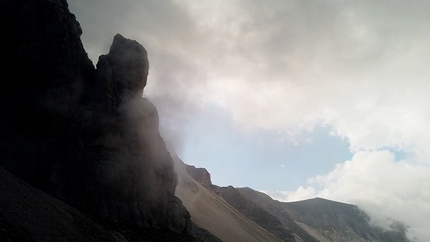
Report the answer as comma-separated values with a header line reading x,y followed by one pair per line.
x,y
82,134
45,72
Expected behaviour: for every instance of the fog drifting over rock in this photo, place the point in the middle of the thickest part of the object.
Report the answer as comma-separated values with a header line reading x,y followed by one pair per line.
x,y
359,68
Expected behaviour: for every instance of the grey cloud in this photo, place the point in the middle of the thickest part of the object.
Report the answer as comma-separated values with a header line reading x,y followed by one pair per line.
x,y
152,23
328,46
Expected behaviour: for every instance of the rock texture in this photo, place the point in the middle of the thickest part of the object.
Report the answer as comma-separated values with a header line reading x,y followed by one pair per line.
x,y
84,135
201,175
28,214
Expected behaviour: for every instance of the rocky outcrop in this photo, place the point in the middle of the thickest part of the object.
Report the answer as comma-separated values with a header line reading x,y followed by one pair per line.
x,y
201,175
84,135
123,168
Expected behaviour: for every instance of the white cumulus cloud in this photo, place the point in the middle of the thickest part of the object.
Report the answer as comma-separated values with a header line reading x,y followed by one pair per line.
x,y
380,185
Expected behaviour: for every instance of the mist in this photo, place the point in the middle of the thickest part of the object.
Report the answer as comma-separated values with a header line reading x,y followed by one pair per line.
x,y
358,68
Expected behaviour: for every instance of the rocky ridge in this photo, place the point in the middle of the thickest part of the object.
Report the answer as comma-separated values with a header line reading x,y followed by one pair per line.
x,y
324,220
211,211
335,221
242,204
317,220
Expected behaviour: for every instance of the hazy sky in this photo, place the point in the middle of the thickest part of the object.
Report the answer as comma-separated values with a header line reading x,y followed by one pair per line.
x,y
297,98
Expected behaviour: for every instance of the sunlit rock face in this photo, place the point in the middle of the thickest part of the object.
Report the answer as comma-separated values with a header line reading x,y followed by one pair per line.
x,y
84,135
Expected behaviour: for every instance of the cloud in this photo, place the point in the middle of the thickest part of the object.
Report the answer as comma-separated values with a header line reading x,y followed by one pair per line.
x,y
380,185
292,196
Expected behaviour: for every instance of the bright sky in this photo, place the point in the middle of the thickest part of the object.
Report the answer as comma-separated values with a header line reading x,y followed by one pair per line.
x,y
296,98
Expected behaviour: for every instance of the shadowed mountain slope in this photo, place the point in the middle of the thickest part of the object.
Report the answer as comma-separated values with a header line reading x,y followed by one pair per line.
x,y
242,204
340,222
254,212
28,214
314,220
211,212
324,220
274,208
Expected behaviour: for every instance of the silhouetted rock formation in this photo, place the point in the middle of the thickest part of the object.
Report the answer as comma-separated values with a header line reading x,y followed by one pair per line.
x,y
85,136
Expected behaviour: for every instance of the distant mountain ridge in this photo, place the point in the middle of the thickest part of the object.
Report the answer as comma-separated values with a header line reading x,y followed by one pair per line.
x,y
313,220
341,221
211,212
